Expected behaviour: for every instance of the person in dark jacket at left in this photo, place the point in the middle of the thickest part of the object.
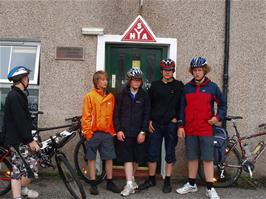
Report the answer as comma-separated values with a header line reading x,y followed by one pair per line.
x,y
17,129
131,124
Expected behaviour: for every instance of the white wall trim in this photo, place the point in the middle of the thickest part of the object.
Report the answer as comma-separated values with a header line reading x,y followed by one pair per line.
x,y
116,39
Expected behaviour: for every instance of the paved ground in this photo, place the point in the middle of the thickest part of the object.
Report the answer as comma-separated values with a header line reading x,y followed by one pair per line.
x,y
51,187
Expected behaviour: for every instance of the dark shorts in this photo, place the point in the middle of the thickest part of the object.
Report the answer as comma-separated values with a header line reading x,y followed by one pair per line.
x,y
130,151
199,148
18,166
103,143
169,133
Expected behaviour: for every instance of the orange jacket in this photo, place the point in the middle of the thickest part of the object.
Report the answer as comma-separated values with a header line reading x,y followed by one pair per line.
x,y
97,113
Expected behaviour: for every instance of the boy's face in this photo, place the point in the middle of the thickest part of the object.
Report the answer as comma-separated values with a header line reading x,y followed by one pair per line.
x,y
102,83
167,74
135,83
198,73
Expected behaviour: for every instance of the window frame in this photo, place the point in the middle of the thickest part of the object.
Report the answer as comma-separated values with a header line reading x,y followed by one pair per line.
x,y
23,44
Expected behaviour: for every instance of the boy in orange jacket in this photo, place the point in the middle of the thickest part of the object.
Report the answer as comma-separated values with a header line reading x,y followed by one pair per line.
x,y
98,129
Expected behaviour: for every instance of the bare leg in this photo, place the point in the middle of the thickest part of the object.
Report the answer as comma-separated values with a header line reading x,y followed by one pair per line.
x,y
193,168
92,171
129,170
208,170
16,188
168,169
109,168
152,168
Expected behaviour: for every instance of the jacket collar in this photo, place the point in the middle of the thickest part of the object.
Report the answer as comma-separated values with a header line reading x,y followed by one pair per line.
x,y
206,81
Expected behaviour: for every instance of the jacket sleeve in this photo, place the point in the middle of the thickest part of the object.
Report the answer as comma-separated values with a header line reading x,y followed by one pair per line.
x,y
181,118
117,113
221,104
150,95
146,113
22,120
86,121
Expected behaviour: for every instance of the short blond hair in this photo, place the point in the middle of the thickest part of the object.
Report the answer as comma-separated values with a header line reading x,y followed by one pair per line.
x,y
206,69
98,75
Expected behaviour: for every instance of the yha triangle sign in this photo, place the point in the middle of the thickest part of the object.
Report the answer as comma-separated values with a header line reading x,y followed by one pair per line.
x,y
139,31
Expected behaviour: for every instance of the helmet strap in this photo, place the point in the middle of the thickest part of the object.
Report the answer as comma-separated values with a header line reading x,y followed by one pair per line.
x,y
201,80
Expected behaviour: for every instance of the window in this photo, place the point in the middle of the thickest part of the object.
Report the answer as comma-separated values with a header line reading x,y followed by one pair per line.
x,y
16,54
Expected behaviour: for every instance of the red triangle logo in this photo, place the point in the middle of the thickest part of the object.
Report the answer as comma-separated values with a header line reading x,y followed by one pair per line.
x,y
139,31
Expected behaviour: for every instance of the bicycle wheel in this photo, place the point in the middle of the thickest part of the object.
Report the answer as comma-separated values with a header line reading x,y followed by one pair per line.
x,y
69,177
5,179
226,174
81,164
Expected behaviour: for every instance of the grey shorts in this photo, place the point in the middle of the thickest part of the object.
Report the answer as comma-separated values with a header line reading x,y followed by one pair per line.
x,y
199,148
103,143
18,166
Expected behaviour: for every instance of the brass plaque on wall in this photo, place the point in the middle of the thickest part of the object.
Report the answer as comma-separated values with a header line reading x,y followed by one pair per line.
x,y
69,53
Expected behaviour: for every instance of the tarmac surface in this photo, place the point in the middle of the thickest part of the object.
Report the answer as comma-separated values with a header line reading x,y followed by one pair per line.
x,y
52,187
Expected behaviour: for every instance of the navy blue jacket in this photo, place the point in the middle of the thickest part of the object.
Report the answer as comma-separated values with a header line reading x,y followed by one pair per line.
x,y
132,114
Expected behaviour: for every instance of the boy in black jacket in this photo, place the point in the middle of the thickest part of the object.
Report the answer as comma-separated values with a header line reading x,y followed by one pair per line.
x,y
131,124
17,129
165,97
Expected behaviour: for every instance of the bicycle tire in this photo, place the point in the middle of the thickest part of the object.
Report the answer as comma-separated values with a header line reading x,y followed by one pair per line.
x,y
5,179
232,169
81,164
69,177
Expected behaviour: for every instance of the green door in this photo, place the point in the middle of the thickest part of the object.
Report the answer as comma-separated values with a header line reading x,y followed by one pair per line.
x,y
121,57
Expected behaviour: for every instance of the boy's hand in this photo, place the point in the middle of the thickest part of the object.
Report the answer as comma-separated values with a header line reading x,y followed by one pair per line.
x,y
141,138
151,128
181,133
213,120
120,136
34,146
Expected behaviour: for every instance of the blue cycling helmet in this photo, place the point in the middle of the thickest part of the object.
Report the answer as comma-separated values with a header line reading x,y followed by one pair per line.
x,y
17,73
198,62
135,73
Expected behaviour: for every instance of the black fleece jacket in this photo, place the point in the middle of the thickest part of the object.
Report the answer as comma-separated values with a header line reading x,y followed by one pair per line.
x,y
165,101
17,121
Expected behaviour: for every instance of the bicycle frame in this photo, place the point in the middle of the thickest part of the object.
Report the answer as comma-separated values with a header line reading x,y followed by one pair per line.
x,y
240,139
4,153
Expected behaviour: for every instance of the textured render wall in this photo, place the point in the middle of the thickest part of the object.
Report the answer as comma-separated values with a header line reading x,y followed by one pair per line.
x,y
197,25
247,91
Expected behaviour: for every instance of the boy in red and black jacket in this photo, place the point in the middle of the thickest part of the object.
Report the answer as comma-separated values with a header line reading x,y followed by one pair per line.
x,y
196,120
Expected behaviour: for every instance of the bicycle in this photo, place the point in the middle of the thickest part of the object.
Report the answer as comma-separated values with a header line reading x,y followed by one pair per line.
x,y
238,157
48,149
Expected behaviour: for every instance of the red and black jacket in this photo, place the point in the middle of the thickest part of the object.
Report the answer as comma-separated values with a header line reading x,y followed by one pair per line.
x,y
197,107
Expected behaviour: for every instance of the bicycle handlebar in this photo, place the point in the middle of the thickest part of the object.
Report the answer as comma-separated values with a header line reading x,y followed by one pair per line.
x,y
74,119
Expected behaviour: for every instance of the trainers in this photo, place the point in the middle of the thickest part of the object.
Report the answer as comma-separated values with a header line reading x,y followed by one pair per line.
x,y
25,191
147,184
128,189
212,194
111,186
94,190
135,185
187,188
